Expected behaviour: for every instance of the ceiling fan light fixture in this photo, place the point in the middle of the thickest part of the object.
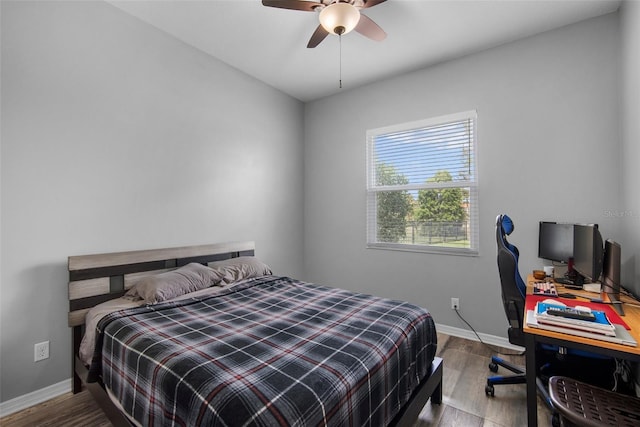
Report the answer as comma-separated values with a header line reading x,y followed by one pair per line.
x,y
339,18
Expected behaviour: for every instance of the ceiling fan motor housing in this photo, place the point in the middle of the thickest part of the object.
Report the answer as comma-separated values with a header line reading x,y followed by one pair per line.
x,y
339,18
336,17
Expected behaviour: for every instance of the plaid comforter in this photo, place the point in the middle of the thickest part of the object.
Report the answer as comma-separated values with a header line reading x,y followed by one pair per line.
x,y
272,351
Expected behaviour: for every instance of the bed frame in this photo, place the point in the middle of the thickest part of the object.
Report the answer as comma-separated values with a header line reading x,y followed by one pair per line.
x,y
94,279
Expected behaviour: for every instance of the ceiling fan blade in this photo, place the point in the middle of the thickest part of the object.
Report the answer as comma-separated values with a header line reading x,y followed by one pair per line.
x,y
370,29
371,3
308,6
318,35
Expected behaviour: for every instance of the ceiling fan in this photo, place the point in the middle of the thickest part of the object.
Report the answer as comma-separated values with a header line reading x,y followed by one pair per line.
x,y
336,17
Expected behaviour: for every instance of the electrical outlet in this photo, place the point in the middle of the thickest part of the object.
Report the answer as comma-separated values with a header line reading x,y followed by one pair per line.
x,y
41,351
455,303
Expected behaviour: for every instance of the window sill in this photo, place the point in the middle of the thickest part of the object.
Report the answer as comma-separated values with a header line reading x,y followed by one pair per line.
x,y
424,249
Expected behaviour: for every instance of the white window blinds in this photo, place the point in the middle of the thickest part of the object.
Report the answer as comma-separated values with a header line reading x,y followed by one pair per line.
x,y
422,185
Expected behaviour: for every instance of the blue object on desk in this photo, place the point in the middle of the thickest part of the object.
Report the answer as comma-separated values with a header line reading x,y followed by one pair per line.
x,y
600,316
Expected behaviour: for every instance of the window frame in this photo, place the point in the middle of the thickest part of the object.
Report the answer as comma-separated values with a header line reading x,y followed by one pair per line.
x,y
471,185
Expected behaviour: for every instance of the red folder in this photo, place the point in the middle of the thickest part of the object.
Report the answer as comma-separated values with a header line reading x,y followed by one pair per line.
x,y
532,300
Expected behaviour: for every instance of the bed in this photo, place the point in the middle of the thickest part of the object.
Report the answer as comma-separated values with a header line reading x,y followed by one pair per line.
x,y
240,345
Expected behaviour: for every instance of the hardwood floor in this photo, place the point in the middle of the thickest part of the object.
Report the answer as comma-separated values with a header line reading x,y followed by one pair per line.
x,y
68,410
464,402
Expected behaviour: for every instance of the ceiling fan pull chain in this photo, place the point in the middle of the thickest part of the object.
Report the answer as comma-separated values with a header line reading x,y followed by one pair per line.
x,y
340,42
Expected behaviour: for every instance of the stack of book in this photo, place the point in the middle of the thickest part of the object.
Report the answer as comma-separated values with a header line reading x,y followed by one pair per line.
x,y
587,322
574,320
594,325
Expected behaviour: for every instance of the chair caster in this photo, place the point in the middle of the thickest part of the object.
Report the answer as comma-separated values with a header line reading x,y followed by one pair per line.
x,y
555,420
489,390
493,367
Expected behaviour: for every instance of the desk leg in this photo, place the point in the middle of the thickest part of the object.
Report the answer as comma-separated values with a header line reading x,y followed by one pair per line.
x,y
532,396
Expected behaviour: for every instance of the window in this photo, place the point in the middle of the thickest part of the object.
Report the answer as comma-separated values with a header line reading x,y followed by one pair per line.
x,y
422,190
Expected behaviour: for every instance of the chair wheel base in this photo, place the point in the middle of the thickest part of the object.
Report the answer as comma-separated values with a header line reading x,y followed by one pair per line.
x,y
489,390
493,367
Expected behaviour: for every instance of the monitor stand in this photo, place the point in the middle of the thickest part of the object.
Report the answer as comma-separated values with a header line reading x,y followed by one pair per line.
x,y
614,299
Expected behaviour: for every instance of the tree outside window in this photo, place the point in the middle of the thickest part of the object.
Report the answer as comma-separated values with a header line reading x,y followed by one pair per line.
x,y
422,186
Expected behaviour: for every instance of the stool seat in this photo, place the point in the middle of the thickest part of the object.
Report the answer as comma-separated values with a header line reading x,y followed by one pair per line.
x,y
586,405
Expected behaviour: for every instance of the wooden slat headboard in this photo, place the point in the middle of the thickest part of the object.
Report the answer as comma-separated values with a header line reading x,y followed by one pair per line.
x,y
96,278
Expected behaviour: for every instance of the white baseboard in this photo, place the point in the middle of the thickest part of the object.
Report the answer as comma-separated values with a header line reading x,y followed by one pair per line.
x,y
469,335
27,400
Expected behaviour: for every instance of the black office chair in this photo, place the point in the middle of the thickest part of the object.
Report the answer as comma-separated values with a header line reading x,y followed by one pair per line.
x,y
513,295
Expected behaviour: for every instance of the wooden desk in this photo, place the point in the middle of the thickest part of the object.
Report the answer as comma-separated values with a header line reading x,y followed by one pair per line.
x,y
535,336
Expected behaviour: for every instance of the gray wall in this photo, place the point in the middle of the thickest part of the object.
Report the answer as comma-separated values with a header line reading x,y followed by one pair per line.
x,y
630,215
116,136
548,126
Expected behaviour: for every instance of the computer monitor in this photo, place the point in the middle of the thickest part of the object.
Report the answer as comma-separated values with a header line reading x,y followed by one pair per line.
x,y
555,241
587,253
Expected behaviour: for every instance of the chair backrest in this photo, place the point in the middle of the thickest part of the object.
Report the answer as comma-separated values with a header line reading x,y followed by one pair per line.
x,y
513,287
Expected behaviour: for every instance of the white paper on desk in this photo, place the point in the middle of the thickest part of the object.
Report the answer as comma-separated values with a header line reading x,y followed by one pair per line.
x,y
591,287
622,335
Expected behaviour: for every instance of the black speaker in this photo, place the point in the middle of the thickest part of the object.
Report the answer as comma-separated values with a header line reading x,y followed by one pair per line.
x,y
611,268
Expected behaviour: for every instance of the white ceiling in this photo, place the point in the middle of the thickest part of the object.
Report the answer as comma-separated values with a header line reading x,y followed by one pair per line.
x,y
270,44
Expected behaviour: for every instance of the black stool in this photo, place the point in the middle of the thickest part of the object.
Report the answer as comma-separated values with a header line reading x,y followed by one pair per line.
x,y
582,404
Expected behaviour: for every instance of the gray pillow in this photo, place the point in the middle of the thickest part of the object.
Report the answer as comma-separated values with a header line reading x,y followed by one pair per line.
x,y
236,269
164,286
